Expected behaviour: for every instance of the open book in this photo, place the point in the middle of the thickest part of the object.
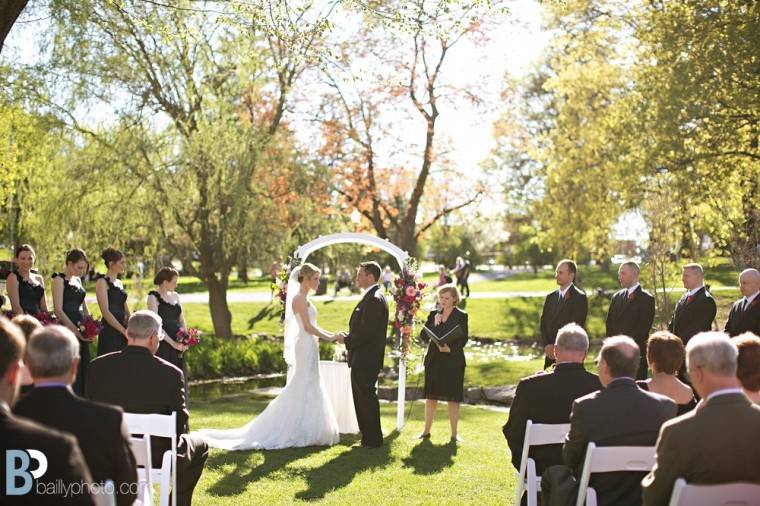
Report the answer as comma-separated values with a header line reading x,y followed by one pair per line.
x,y
452,335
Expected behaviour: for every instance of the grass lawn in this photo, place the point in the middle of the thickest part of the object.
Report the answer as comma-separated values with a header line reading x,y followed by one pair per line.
x,y
504,319
402,471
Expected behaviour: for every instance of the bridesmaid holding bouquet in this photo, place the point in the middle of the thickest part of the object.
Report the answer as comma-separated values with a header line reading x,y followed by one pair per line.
x,y
112,300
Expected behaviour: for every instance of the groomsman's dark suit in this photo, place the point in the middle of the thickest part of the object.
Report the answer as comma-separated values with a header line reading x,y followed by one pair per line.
x,y
546,398
693,315
731,453
98,429
572,308
632,315
139,382
64,460
365,344
620,415
744,320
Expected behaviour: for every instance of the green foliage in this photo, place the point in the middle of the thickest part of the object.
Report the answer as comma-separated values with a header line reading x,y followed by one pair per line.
x,y
239,356
447,242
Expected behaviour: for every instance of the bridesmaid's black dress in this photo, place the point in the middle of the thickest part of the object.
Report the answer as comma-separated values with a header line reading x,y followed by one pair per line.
x,y
29,295
110,339
444,372
73,296
169,314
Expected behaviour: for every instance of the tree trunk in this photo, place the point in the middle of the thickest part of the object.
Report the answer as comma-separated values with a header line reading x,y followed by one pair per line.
x,y
217,304
9,13
242,270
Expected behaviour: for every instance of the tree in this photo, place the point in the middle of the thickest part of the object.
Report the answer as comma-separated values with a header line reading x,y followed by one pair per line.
x,y
200,123
10,10
388,181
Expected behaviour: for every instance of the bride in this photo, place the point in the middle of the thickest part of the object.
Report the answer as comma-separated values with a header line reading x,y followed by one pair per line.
x,y
302,414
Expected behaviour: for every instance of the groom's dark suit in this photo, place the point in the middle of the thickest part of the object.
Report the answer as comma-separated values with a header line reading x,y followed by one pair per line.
x,y
365,343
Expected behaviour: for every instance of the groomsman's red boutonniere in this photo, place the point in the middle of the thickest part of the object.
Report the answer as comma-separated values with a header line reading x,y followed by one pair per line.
x,y
689,299
631,296
567,295
754,303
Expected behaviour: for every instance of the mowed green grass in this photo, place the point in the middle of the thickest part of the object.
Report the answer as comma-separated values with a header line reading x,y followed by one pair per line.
x,y
403,471
502,319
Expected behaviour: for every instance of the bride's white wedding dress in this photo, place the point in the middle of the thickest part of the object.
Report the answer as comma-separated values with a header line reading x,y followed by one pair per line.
x,y
301,415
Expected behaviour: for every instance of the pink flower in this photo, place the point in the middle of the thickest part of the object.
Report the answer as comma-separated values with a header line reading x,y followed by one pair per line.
x,y
410,291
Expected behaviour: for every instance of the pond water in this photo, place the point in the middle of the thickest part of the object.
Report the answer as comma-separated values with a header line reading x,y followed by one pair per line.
x,y
475,351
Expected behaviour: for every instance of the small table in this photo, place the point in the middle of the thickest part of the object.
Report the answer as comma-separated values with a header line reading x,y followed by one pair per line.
x,y
336,380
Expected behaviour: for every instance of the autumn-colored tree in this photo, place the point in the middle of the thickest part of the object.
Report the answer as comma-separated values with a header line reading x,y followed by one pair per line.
x,y
399,179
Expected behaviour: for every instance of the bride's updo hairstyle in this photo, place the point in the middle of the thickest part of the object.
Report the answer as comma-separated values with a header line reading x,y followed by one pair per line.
x,y
308,271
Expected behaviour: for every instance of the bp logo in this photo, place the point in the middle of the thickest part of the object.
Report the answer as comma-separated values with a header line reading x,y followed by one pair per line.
x,y
18,476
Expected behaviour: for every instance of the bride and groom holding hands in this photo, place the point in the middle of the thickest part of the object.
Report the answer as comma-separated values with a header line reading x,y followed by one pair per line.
x,y
302,414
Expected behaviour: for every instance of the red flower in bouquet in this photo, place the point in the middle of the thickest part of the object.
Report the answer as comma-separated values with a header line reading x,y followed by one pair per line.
x,y
188,337
90,328
45,318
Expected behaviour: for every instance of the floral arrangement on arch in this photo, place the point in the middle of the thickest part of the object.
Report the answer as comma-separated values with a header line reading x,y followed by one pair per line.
x,y
281,286
408,294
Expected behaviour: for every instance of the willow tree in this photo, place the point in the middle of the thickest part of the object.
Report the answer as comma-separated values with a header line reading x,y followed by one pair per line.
x,y
200,109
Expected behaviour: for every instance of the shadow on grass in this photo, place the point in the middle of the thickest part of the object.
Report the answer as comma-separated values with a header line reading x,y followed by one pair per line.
x,y
340,471
427,458
251,466
267,312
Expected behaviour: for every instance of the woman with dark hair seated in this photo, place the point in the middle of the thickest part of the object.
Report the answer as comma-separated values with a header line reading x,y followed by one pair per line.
x,y
748,364
665,355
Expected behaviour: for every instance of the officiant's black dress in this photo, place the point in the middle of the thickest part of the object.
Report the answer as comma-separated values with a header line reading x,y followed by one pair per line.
x,y
73,296
444,372
29,294
110,339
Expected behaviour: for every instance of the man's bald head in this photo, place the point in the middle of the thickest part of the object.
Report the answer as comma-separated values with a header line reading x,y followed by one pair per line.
x,y
621,355
749,282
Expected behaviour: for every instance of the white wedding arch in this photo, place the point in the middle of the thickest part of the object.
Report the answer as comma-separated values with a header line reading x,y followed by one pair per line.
x,y
401,256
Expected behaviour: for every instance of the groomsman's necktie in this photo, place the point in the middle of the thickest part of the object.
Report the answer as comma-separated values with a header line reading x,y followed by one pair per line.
x,y
745,304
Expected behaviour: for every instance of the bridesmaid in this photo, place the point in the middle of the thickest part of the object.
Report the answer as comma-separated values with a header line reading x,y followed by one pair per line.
x,y
25,288
70,307
165,302
112,300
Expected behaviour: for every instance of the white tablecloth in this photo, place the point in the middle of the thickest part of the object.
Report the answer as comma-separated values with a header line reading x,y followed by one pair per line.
x,y
336,380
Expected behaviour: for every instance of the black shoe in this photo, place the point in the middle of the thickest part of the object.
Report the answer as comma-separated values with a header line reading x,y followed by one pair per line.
x,y
423,436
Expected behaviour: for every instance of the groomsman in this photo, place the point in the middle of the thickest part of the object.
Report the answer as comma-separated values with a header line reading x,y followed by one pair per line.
x,y
631,312
745,312
567,304
696,310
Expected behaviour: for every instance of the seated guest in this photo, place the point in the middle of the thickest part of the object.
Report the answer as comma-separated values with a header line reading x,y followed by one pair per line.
x,y
27,324
64,459
140,382
665,355
445,364
748,364
620,415
719,442
744,315
53,358
548,397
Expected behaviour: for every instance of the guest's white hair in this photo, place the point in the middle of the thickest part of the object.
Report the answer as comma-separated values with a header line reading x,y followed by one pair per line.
x,y
51,351
143,324
572,337
713,352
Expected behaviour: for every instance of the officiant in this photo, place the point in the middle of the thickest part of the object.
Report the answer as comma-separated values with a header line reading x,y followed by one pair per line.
x,y
444,361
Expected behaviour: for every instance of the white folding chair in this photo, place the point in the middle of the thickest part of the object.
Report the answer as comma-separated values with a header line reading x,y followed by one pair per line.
x,y
156,425
141,450
536,434
606,459
105,494
726,494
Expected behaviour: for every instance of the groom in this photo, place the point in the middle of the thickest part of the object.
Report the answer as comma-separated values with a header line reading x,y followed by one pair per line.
x,y
365,343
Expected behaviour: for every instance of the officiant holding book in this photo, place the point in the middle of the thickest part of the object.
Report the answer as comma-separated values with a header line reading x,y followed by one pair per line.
x,y
446,328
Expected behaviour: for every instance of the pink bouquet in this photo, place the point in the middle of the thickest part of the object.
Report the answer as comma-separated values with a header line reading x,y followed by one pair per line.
x,y
45,318
188,337
90,328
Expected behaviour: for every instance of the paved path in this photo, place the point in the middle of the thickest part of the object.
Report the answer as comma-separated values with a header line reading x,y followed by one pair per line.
x,y
202,297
